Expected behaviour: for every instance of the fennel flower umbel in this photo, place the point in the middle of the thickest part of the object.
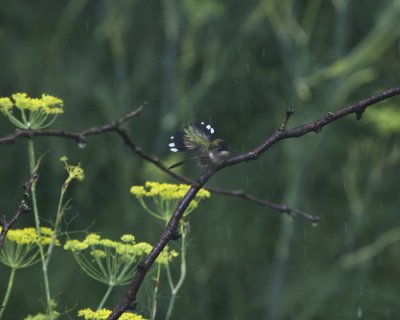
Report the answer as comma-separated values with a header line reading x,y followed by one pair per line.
x,y
103,314
31,113
21,247
112,262
165,197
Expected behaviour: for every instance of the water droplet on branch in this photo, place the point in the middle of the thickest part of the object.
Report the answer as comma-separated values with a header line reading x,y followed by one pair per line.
x,y
82,143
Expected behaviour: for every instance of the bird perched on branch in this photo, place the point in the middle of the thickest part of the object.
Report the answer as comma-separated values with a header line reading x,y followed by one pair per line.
x,y
197,137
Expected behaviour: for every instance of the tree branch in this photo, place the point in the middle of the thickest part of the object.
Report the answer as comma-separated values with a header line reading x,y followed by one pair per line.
x,y
115,126
23,207
79,137
358,108
282,208
129,301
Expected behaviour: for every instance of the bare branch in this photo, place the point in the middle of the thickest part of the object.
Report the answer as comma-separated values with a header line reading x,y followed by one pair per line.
x,y
129,301
282,208
23,207
80,137
316,126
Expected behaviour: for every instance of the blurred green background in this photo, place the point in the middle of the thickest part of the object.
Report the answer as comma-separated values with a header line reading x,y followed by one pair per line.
x,y
237,65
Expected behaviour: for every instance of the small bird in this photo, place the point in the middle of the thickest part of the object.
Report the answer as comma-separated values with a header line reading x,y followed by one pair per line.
x,y
197,137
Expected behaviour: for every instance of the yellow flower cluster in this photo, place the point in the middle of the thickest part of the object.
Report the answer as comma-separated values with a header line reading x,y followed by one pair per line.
x,y
112,262
6,104
166,256
74,172
97,253
46,104
75,245
166,191
34,113
42,316
30,236
128,238
166,198
22,246
104,313
127,250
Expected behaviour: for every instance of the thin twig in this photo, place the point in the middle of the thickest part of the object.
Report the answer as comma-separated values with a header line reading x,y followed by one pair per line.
x,y
23,207
288,113
282,208
79,137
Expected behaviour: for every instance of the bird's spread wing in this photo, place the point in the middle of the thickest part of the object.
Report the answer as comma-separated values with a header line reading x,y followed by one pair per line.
x,y
193,137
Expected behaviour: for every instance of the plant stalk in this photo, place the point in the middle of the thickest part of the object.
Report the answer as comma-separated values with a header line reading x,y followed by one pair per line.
x,y
8,292
32,165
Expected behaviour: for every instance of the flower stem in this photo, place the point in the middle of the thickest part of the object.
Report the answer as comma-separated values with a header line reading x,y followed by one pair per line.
x,y
32,165
8,292
176,288
154,302
56,225
105,297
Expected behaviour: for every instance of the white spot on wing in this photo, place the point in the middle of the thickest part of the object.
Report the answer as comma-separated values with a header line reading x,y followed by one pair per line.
x,y
172,145
172,137
210,129
202,122
174,149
